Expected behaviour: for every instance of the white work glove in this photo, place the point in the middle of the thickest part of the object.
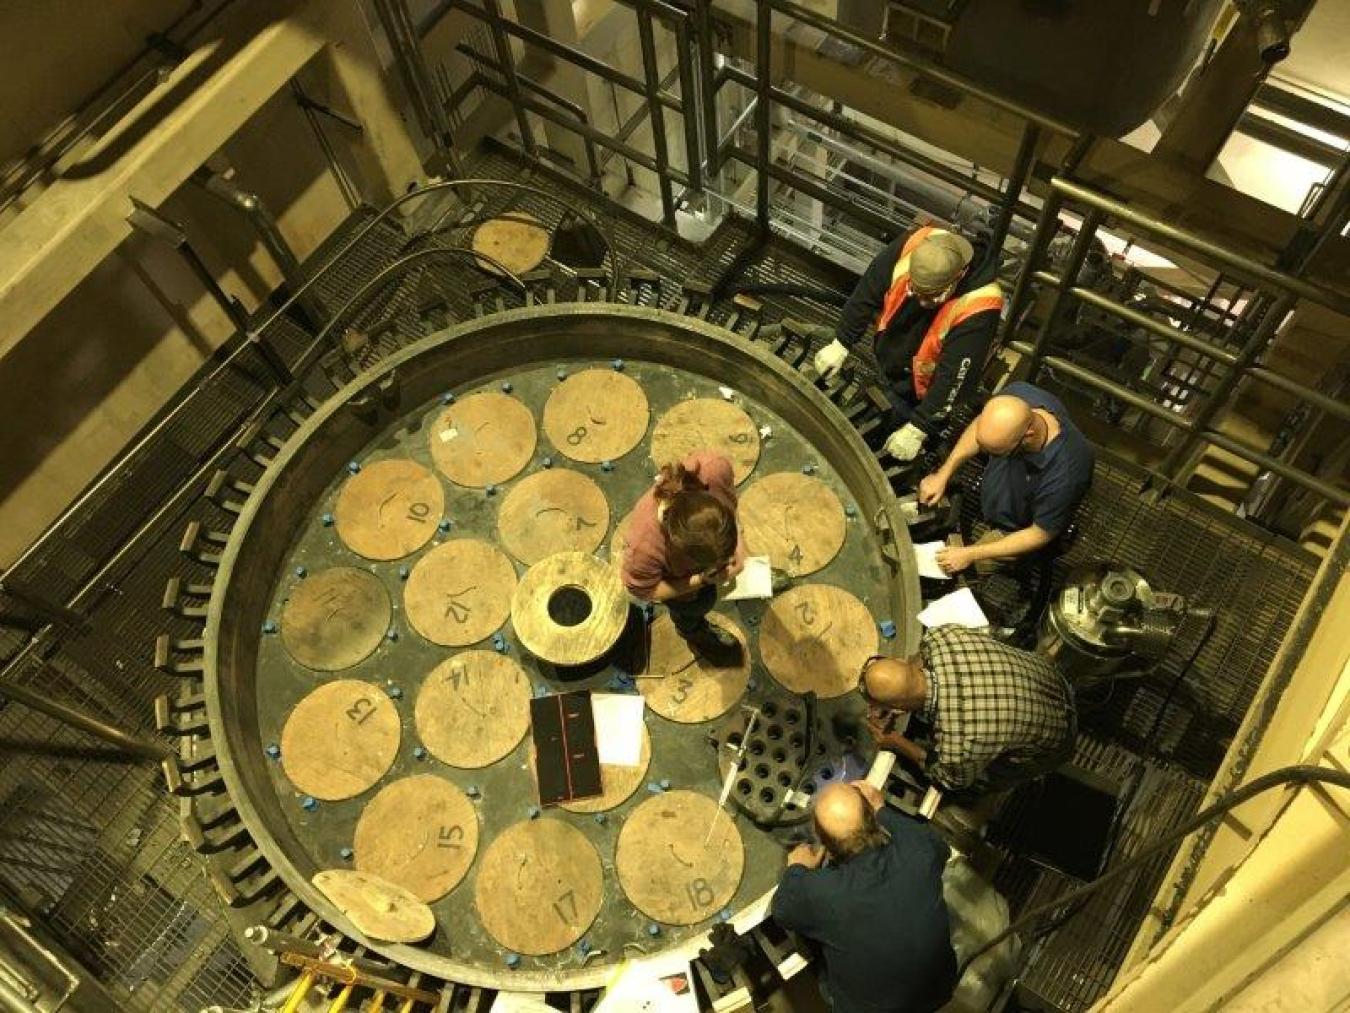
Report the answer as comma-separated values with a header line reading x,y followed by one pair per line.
x,y
905,443
830,359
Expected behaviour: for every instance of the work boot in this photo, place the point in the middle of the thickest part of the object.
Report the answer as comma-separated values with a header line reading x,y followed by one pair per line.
x,y
714,644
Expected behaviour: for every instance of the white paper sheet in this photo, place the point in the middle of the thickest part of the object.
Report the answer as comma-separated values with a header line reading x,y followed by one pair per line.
x,y
958,608
754,581
661,984
618,727
521,1002
925,554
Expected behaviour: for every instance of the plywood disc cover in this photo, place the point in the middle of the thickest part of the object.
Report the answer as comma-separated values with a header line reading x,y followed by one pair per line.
x,y
707,424
340,739
570,608
553,511
483,439
795,520
473,709
685,687
420,833
389,509
335,618
380,910
539,886
460,592
679,858
596,415
519,243
817,637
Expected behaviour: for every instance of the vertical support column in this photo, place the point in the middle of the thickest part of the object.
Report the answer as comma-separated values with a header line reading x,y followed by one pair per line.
x,y
566,80
502,46
347,78
689,102
707,86
1026,154
763,119
655,113
1059,300
406,47
1046,227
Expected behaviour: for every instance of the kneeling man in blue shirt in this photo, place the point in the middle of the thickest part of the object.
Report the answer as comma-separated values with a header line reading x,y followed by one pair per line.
x,y
1039,470
871,899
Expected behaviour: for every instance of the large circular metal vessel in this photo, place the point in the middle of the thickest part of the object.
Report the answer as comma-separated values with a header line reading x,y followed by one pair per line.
x,y
370,572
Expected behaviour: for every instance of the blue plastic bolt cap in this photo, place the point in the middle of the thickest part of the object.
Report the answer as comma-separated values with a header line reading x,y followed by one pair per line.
x,y
403,572
606,465
513,960
547,462
665,784
601,819
584,947
532,812
751,684
447,398
353,466
396,692
300,571
653,787
391,634
850,510
327,520
346,853
617,364
501,647
491,490
752,620
724,915
506,387
653,929
561,373
309,803
471,791
444,524
419,753
807,469
274,751
269,626
887,628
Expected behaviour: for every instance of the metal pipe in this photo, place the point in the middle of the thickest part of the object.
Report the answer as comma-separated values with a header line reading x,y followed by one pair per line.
x,y
407,50
763,100
1143,320
1340,497
1316,398
76,718
502,45
1017,179
799,181
693,165
1256,344
651,90
707,86
1046,228
258,213
1091,379
1171,234
831,27
1058,303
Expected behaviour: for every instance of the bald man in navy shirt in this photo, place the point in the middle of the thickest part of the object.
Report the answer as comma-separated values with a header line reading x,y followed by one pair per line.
x,y
1039,470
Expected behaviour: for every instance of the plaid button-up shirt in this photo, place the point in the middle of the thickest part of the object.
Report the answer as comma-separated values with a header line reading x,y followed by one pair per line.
x,y
998,714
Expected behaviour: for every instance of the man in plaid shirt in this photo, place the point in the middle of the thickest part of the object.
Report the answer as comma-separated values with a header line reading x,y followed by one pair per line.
x,y
998,715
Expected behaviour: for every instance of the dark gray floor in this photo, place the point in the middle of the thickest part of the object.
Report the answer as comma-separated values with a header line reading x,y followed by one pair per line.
x,y
90,840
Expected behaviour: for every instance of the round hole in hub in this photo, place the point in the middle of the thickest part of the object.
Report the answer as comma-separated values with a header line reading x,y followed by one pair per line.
x,y
809,787
762,770
826,773
791,716
795,740
768,708
756,747
780,756
569,605
766,795
785,779
774,732
743,786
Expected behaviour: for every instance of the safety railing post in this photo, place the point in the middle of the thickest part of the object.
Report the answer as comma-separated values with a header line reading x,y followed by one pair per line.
x,y
652,92
502,45
763,118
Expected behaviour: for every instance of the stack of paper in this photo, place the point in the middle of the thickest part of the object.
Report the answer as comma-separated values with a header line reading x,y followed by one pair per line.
x,y
618,727
925,554
956,609
754,581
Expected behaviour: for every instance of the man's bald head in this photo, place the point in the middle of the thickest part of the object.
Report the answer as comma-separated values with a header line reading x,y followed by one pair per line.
x,y
1005,422
845,822
894,682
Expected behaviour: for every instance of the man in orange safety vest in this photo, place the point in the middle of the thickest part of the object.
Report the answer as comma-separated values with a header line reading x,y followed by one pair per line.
x,y
935,302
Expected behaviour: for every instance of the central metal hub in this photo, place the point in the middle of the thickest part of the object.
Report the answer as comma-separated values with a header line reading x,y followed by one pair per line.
x,y
569,606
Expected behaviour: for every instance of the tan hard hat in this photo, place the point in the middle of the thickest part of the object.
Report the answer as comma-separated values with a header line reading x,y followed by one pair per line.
x,y
938,261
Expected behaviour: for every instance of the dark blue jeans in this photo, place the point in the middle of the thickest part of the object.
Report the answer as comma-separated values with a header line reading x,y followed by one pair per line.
x,y
689,614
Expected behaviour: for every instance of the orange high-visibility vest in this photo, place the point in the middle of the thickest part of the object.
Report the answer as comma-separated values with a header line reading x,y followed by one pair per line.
x,y
952,313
